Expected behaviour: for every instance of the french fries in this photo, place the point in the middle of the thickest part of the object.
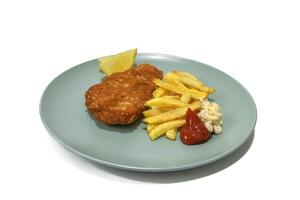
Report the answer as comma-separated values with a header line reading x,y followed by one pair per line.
x,y
186,74
150,127
155,111
165,102
172,114
172,96
186,98
191,82
177,92
172,79
159,92
151,112
160,129
171,134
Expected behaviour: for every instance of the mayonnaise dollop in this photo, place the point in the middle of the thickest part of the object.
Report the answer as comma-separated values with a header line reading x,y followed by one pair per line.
x,y
211,116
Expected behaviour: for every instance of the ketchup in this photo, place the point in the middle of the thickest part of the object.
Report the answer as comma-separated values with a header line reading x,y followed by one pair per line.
x,y
194,130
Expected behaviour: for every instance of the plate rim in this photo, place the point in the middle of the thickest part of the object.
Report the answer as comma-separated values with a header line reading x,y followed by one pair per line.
x,y
150,169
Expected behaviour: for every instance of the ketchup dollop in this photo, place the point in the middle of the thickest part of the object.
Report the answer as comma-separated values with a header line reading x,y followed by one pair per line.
x,y
194,130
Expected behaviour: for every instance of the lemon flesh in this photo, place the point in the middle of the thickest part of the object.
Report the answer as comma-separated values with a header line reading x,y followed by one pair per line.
x,y
117,63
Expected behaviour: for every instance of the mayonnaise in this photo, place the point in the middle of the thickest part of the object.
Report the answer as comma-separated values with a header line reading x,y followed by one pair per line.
x,y
211,115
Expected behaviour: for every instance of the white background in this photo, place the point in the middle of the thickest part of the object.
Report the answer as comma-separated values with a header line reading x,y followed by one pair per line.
x,y
257,42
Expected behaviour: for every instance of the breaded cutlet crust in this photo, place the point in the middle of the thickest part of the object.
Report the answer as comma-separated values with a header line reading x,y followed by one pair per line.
x,y
120,98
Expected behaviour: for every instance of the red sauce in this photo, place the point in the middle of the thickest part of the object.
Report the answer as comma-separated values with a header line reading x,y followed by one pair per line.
x,y
194,130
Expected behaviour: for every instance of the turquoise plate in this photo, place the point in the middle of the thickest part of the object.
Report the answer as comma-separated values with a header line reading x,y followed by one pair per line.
x,y
64,114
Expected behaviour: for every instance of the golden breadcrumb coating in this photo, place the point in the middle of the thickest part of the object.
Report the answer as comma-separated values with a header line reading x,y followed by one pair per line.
x,y
120,98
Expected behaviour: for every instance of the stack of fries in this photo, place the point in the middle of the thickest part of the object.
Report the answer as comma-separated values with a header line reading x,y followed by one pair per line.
x,y
177,92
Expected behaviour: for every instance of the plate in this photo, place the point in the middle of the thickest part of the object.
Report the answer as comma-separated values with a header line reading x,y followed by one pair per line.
x,y
64,115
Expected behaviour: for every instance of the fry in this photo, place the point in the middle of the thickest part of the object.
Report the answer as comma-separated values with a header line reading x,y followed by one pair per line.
x,y
150,127
178,83
171,134
165,102
172,114
159,92
162,109
166,76
193,83
185,74
186,98
172,97
155,111
160,129
179,90
151,112
176,92
172,79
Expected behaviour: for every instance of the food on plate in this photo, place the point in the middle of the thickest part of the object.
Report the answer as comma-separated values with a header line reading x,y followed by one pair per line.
x,y
155,111
186,74
117,63
211,115
161,129
194,130
176,102
180,90
120,98
171,134
150,127
186,98
165,102
171,114
159,92
177,92
190,82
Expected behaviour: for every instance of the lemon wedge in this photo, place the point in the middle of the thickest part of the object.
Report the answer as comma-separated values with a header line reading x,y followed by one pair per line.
x,y
117,63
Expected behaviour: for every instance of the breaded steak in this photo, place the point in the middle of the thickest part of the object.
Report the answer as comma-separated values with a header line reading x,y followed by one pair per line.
x,y
120,98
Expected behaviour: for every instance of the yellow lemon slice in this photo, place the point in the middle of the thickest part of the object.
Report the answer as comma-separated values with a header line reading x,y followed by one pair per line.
x,y
117,63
